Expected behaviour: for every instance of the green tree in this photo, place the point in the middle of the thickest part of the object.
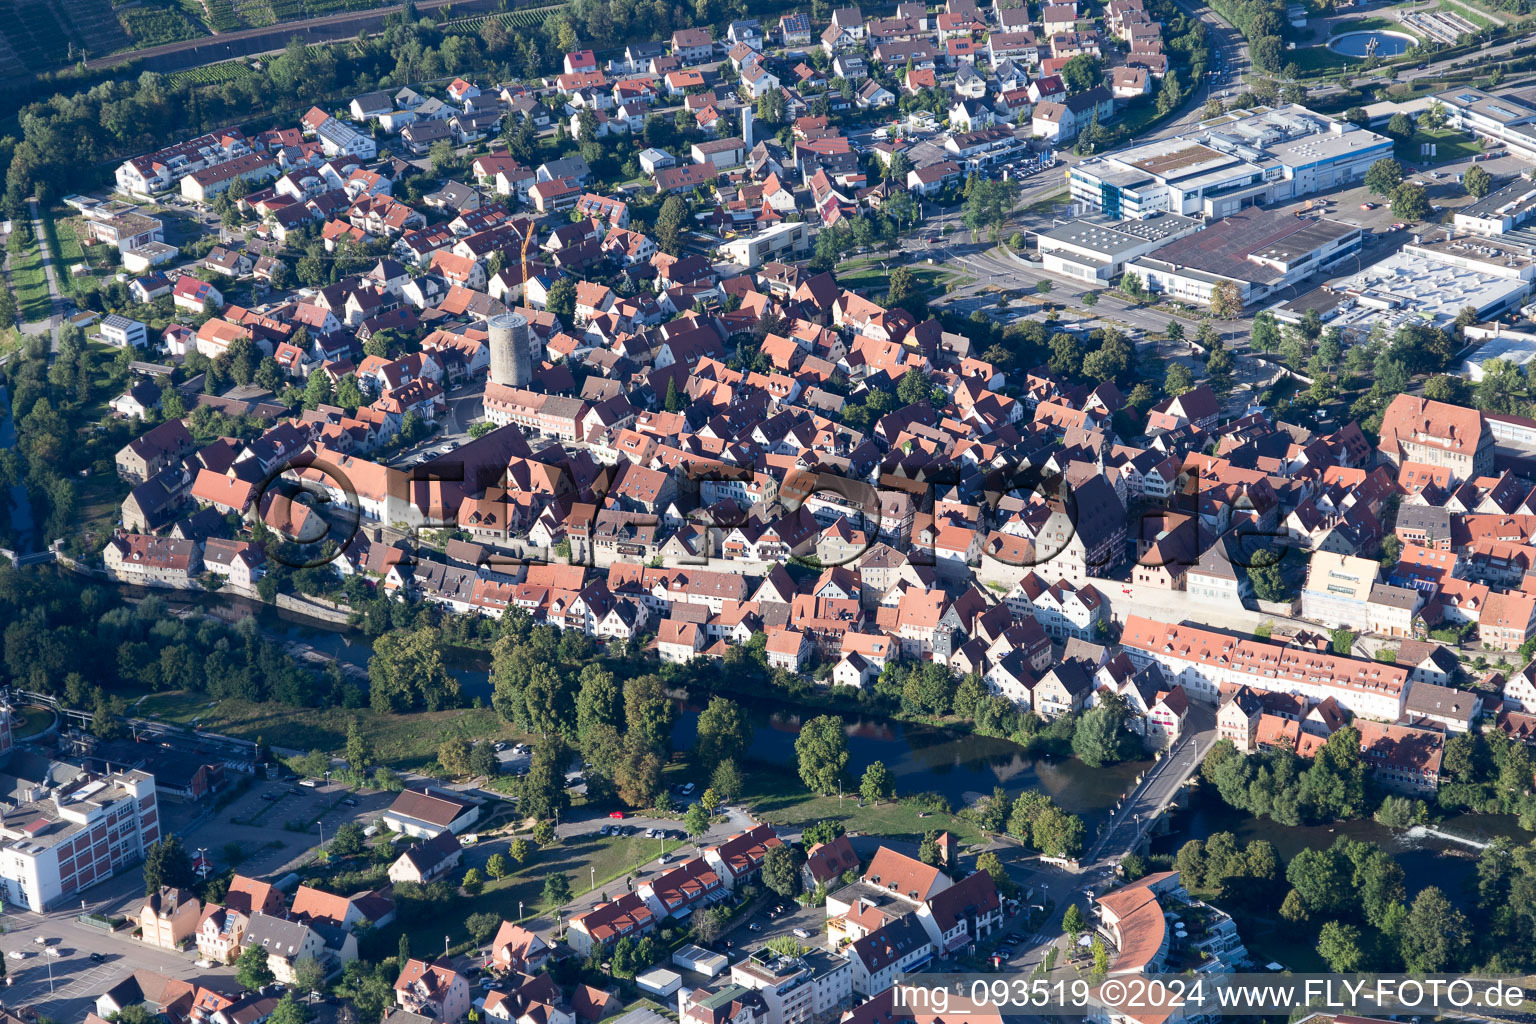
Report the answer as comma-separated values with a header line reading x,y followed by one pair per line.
x,y
696,820
561,300
1434,936
519,850
1264,574
542,793
1383,176
726,780
1178,380
1410,202
166,863
1072,923
473,883
1340,945
1226,300
407,673
1100,953
1322,880
557,890
1477,182
1399,126
497,867
251,970
359,749
290,1010
779,872
482,925
724,733
822,750
317,389
669,224
1082,73
992,864
876,785
648,712
348,840
1103,734
1266,333
1170,96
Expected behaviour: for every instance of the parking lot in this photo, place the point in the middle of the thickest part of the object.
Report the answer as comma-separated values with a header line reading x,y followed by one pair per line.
x,y
259,822
66,987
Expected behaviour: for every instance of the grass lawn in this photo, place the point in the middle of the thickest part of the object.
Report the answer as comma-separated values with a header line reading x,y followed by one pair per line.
x,y
868,274
1048,203
399,741
779,798
1480,20
1372,24
1450,145
581,859
30,284
98,504
1319,60
30,720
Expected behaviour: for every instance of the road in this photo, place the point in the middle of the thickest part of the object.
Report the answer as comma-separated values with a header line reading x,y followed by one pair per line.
x,y
247,42
1139,811
55,321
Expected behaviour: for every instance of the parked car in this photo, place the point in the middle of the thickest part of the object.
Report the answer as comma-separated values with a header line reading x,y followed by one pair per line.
x,y
615,814
801,933
53,951
97,958
16,954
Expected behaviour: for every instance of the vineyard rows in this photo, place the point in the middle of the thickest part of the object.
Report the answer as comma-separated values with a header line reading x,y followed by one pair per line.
x,y
526,18
210,74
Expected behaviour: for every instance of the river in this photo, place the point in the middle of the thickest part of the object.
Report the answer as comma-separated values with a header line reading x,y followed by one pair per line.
x,y
957,765
961,766
1426,859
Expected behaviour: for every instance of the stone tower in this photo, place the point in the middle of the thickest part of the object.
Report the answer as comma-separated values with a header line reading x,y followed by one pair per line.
x,y
511,363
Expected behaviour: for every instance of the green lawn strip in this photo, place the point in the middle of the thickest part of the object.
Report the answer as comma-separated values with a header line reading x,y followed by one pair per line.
x,y
1450,145
581,858
781,800
29,283
877,278
98,503
399,741
1474,17
1319,60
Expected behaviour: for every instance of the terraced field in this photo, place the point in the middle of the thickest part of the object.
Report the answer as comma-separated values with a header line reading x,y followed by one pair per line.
x,y
212,74
151,26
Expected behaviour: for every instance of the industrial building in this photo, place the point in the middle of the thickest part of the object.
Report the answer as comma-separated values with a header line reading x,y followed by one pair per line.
x,y
1240,159
1501,212
1507,118
1433,281
1261,251
1096,248
1515,347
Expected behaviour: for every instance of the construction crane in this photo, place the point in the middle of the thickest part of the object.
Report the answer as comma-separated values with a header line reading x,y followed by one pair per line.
x,y
527,237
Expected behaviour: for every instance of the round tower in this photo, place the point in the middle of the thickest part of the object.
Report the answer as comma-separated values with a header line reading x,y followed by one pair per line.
x,y
510,361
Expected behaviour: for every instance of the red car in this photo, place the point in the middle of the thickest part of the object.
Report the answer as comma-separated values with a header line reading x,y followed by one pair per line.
x,y
615,814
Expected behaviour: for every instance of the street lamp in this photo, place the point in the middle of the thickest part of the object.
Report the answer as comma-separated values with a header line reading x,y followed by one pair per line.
x,y
519,910
592,868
